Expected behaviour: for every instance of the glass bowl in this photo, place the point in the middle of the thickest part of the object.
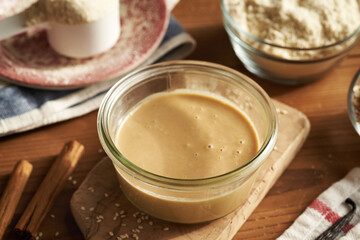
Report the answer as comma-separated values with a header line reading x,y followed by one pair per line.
x,y
186,200
354,102
284,65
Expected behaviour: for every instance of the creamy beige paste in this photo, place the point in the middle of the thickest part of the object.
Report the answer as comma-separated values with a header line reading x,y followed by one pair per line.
x,y
187,136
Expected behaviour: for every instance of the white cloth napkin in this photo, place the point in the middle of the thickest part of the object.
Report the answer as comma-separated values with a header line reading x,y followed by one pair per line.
x,y
23,108
326,209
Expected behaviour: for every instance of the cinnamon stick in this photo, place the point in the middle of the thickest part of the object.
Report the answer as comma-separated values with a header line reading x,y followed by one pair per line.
x,y
50,187
13,192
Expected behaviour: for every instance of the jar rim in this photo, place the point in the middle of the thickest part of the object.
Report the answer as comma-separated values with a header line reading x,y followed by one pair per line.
x,y
182,65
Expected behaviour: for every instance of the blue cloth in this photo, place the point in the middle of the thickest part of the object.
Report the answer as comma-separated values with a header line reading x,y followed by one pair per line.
x,y
23,108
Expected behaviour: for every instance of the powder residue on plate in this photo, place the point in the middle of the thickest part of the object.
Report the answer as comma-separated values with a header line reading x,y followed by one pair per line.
x,y
29,60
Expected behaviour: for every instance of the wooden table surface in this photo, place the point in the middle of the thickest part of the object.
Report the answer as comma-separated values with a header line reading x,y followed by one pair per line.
x,y
331,150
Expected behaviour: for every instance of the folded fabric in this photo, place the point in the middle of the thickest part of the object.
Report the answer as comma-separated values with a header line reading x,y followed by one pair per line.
x,y
23,108
328,208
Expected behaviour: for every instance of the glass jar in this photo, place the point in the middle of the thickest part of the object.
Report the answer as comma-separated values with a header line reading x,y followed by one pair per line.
x,y
187,200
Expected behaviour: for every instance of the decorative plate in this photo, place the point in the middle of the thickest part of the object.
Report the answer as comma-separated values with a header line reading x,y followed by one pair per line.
x,y
27,59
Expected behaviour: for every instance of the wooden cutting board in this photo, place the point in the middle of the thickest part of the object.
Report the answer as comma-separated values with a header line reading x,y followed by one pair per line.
x,y
103,212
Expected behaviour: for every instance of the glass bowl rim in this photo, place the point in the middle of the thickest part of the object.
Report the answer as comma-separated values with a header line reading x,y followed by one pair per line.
x,y
350,103
113,153
228,17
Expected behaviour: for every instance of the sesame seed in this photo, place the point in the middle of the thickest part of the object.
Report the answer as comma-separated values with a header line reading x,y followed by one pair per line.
x,y
122,212
138,220
140,227
37,238
74,182
70,178
52,215
166,229
98,221
135,236
111,234
135,214
151,223
106,195
123,224
40,234
82,208
91,209
123,216
57,234
117,205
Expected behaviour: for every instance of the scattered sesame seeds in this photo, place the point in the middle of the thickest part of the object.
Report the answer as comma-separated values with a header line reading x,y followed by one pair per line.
x,y
122,212
135,236
99,218
151,223
74,182
83,208
117,204
123,224
138,220
100,150
91,209
56,234
70,178
40,234
115,216
91,189
52,215
166,229
111,234
140,227
106,195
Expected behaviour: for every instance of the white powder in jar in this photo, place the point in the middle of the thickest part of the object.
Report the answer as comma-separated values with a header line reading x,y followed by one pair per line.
x,y
68,11
296,23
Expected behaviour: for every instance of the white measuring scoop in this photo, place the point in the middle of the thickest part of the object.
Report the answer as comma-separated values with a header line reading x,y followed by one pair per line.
x,y
76,41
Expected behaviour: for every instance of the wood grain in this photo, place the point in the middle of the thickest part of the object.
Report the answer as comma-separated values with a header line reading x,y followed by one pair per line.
x,y
331,150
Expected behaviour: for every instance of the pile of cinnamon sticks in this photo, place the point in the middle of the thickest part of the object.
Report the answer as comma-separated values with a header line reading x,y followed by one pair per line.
x,y
44,197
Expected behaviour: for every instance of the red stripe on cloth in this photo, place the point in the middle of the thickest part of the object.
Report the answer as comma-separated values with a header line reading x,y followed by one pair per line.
x,y
328,213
